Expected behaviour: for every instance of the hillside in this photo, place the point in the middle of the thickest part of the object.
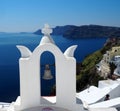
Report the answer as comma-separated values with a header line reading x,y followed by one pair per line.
x,y
75,32
86,71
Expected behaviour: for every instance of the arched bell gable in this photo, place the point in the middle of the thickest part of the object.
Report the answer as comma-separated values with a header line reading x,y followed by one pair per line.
x,y
29,64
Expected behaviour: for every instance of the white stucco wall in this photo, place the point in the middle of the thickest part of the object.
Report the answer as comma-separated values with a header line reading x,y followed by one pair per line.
x,y
30,78
29,65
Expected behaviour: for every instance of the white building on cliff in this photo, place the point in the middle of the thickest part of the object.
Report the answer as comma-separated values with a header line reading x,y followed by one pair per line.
x,y
111,56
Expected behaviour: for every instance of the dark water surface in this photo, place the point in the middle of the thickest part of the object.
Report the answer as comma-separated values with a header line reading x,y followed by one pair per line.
x,y
9,59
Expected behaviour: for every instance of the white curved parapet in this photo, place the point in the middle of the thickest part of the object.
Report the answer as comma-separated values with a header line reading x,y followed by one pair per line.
x,y
107,104
25,52
4,105
70,51
103,109
46,108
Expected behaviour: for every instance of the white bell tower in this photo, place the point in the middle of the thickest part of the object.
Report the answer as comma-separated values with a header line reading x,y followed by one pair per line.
x,y
30,87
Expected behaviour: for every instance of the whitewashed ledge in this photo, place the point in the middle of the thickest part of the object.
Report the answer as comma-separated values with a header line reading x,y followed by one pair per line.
x,y
4,106
103,109
46,108
52,108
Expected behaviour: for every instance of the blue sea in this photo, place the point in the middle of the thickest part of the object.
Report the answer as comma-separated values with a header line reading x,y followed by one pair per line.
x,y
9,59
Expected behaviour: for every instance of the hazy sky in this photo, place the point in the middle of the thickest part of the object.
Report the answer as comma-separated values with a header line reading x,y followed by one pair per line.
x,y
30,15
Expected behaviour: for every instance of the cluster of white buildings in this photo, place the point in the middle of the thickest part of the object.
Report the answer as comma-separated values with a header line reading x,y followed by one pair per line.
x,y
111,56
66,98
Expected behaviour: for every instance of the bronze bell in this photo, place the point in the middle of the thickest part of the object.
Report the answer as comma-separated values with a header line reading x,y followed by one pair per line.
x,y
47,73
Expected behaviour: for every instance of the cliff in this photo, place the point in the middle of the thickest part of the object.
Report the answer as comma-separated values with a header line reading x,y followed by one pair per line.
x,y
86,71
75,32
92,31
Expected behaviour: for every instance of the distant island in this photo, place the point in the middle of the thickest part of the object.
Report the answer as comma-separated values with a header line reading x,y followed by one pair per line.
x,y
24,32
84,31
2,32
